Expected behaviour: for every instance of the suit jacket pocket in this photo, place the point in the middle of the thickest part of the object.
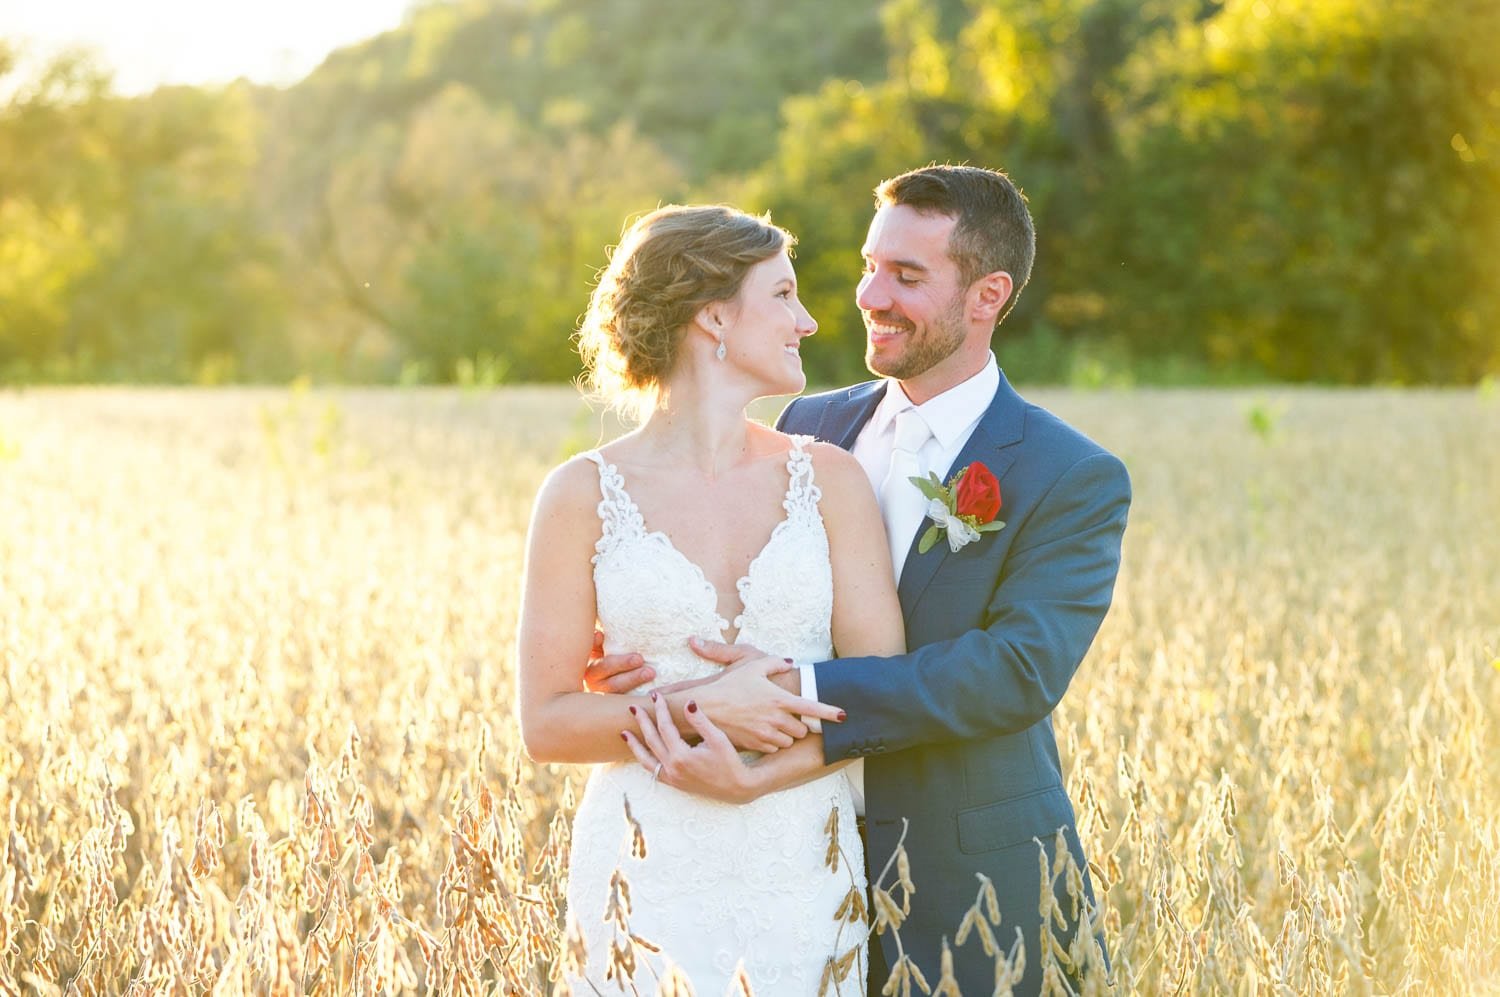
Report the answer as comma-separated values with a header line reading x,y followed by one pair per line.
x,y
1015,820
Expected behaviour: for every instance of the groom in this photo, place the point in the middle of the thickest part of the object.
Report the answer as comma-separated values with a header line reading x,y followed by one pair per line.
x,y
957,734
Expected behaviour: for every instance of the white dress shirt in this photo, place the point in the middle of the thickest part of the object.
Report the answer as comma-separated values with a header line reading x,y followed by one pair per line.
x,y
952,417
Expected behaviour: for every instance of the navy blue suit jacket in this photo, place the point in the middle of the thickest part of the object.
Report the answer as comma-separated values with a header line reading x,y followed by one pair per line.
x,y
957,733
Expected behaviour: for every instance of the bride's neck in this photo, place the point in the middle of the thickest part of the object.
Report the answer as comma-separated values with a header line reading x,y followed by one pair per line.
x,y
700,428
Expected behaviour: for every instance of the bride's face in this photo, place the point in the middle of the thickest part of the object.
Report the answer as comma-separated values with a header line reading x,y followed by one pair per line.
x,y
765,337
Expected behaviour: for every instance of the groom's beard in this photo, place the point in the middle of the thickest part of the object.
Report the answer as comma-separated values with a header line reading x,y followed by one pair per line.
x,y
925,349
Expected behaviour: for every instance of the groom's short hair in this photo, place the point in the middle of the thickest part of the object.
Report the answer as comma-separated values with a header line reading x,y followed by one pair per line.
x,y
994,230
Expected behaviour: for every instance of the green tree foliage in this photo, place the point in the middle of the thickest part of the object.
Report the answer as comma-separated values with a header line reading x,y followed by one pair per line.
x,y
1304,189
702,80
50,173
515,223
1290,189
463,231
1313,186
999,91
128,245
449,189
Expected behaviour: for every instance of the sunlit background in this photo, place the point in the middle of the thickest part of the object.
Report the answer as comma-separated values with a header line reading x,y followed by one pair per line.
x,y
257,642
1227,191
147,43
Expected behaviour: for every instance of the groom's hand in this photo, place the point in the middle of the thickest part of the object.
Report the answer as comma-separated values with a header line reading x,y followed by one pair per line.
x,y
749,702
614,672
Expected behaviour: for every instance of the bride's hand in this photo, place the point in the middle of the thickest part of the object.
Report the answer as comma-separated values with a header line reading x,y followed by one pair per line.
x,y
711,768
751,703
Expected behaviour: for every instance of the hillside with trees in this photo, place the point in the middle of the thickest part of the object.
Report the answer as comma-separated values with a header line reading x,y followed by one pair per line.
x,y
1301,190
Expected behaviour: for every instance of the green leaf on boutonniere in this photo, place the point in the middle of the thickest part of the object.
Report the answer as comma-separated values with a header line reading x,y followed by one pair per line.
x,y
930,487
929,538
991,526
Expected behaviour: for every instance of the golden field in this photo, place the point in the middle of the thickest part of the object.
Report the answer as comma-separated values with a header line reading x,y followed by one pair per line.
x,y
257,683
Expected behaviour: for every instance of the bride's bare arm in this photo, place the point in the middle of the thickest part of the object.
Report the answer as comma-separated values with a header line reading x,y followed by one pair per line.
x,y
866,621
866,613
558,722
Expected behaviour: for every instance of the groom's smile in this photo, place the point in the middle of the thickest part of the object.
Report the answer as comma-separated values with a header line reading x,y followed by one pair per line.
x,y
883,333
886,325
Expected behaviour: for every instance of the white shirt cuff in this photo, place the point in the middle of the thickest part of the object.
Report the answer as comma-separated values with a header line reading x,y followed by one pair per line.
x,y
810,691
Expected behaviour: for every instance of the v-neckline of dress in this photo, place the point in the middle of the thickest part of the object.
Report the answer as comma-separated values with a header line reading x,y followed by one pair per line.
x,y
742,584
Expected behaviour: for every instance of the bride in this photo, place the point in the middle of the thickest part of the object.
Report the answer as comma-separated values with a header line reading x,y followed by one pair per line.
x,y
702,525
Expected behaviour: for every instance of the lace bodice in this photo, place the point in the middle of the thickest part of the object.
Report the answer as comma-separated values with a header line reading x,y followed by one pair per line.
x,y
651,598
720,885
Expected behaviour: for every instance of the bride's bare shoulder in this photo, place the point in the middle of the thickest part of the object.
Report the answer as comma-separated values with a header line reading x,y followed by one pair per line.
x,y
830,459
835,469
570,490
840,477
565,526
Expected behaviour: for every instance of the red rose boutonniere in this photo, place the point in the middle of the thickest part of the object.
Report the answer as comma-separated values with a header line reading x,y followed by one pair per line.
x,y
963,509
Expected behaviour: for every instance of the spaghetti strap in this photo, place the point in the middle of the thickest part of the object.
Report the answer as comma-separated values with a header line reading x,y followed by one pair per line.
x,y
617,511
802,495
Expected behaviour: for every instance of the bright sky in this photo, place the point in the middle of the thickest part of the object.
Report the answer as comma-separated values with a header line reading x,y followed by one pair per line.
x,y
149,42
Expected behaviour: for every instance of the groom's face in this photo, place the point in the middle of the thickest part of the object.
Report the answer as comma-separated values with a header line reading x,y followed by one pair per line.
x,y
910,295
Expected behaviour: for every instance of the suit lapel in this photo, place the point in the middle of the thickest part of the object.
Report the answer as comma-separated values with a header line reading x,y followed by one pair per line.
x,y
993,442
840,424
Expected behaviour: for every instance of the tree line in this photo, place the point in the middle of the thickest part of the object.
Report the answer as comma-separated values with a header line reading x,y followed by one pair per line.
x,y
1302,190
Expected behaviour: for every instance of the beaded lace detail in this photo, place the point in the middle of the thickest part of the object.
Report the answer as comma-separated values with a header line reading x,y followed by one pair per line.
x,y
720,883
647,589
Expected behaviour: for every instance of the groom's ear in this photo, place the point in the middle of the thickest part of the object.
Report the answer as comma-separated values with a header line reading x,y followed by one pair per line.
x,y
989,295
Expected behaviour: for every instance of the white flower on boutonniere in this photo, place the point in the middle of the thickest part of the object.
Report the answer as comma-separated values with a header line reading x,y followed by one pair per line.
x,y
963,509
959,532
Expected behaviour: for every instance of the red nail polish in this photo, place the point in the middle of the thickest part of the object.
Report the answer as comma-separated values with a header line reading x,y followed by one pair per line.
x,y
624,737
842,716
692,707
653,697
787,660
632,711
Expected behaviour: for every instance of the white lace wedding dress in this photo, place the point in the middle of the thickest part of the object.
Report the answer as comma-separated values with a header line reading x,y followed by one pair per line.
x,y
720,885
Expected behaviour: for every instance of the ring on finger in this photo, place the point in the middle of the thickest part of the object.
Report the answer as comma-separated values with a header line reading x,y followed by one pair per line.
x,y
656,774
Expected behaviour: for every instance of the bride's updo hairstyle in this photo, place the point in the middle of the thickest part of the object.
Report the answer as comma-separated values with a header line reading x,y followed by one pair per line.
x,y
668,265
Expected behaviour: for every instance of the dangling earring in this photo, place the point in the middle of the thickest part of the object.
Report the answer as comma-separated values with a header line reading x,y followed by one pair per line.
x,y
721,352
